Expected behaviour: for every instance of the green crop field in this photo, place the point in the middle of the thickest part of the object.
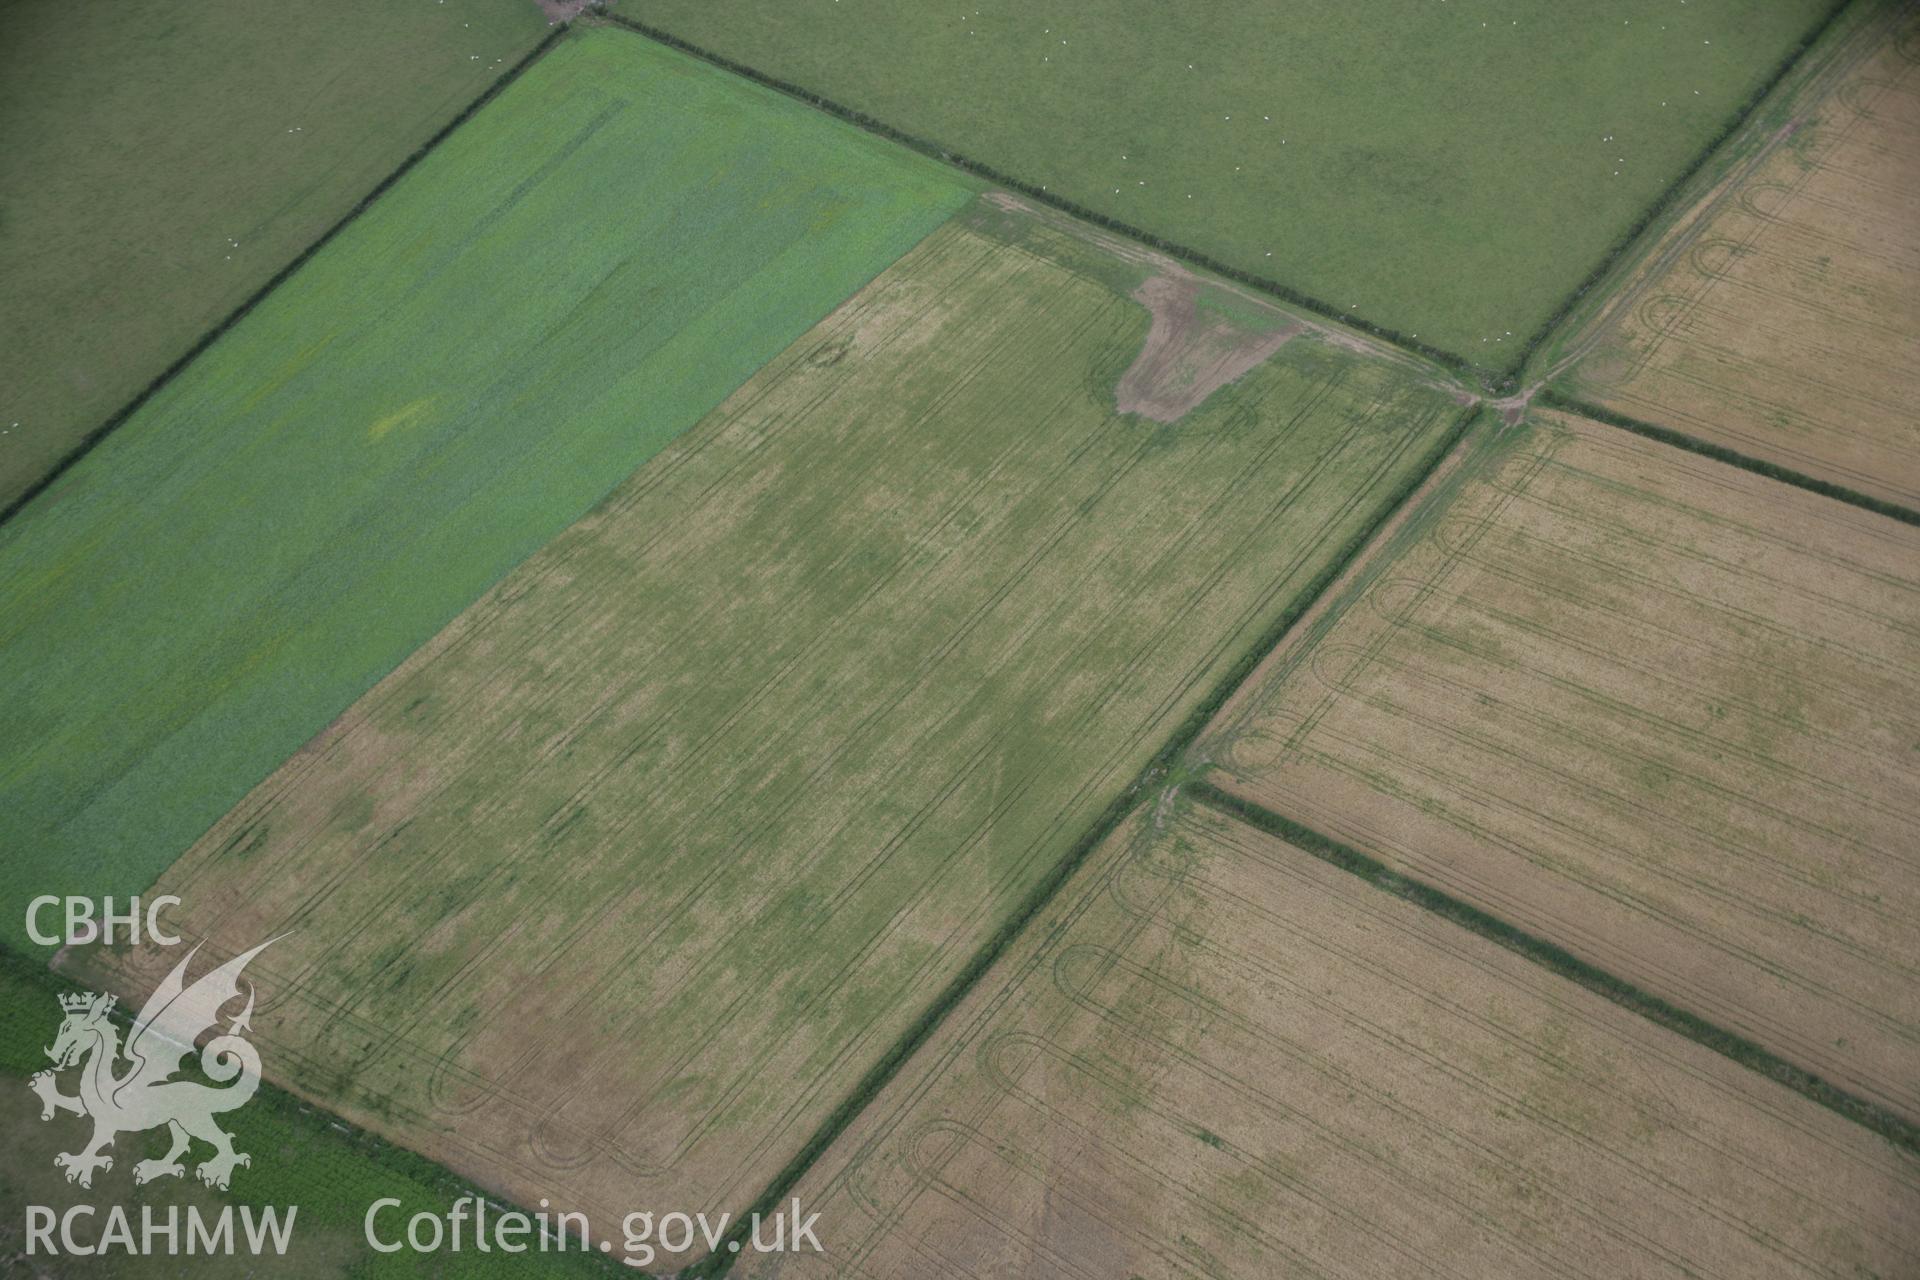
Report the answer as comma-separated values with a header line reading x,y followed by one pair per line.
x,y
590,264
160,161
1450,170
617,888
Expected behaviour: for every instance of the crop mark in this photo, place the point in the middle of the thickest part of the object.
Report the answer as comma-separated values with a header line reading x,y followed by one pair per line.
x,y
1781,340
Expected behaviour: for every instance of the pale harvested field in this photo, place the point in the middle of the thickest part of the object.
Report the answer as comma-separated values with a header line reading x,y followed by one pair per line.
x,y
612,892
1657,710
1790,329
1216,1055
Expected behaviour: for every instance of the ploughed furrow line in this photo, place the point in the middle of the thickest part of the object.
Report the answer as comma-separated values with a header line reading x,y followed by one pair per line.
x,y
1648,708
758,763
1213,1052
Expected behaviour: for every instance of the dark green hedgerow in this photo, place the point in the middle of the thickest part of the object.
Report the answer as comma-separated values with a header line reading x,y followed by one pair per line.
x,y
1759,466
1158,772
1894,1128
1664,202
239,313
1173,249
1499,381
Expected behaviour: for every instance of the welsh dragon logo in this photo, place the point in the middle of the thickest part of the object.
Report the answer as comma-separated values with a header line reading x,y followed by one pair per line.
x,y
144,1095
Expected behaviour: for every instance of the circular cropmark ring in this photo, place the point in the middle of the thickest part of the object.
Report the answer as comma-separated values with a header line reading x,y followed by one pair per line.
x,y
1716,257
563,1147
453,1090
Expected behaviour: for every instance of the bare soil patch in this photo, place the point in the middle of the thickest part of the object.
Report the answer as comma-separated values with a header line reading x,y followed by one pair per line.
x,y
1187,356
612,892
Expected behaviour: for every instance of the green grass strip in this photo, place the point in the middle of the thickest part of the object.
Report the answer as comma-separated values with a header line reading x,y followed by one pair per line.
x,y
1558,960
1759,466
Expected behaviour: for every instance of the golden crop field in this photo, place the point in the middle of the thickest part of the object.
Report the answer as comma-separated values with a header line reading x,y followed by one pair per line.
x,y
1786,325
614,891
1215,1054
1657,709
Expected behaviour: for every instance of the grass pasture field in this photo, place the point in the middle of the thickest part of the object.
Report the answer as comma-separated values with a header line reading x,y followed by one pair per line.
x,y
585,268
1450,171
159,162
1656,709
1786,326
615,890
1215,1054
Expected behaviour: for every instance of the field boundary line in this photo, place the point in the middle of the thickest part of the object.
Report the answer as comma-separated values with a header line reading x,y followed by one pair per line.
x,y
1159,771
933,150
1669,196
1849,42
1494,380
1556,959
120,416
1551,399
382,1152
